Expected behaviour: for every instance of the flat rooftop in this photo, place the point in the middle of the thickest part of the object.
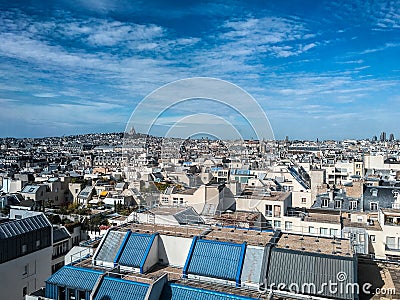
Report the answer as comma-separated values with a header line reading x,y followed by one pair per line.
x,y
238,236
322,218
316,244
156,272
181,231
166,210
263,195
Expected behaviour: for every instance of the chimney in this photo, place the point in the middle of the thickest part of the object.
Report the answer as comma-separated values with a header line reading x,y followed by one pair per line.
x,y
330,193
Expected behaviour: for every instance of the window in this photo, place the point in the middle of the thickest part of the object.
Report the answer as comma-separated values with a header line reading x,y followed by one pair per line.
x,y
165,200
391,242
372,237
303,200
311,229
81,295
18,217
277,211
24,291
174,200
360,219
181,200
277,224
374,206
374,192
325,202
24,248
338,203
333,232
37,243
71,294
288,225
268,210
353,205
323,231
268,223
26,270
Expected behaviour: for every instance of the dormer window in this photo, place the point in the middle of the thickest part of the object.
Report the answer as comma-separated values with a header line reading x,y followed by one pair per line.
x,y
353,205
338,203
374,192
395,193
325,202
374,206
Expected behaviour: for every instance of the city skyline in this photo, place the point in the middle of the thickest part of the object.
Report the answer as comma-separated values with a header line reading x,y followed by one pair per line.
x,y
327,70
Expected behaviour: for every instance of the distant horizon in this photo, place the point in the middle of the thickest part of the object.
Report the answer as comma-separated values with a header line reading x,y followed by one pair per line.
x,y
317,69
320,139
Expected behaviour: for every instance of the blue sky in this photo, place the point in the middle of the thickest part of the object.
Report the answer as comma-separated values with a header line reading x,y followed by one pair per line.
x,y
319,69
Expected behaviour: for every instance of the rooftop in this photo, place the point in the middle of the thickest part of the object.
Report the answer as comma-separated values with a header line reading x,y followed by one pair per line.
x,y
308,243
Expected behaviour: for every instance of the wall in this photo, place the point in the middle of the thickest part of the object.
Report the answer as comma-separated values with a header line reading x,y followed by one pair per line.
x,y
173,250
12,279
152,257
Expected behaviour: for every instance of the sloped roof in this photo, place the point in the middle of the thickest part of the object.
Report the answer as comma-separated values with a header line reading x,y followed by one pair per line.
x,y
109,248
17,227
119,289
216,259
188,216
252,264
290,267
75,278
30,189
137,244
173,291
60,234
85,193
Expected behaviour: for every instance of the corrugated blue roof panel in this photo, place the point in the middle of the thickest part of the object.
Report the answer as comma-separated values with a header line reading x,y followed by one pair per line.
x,y
216,259
180,292
119,289
75,278
135,250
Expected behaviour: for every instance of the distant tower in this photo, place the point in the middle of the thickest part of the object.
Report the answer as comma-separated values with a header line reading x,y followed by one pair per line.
x,y
374,138
382,137
391,137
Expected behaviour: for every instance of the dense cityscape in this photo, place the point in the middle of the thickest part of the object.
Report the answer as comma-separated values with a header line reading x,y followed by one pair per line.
x,y
121,206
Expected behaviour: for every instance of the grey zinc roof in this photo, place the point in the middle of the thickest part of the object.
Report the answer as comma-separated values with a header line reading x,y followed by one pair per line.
x,y
253,261
18,227
30,189
112,242
294,267
85,193
385,196
60,234
188,216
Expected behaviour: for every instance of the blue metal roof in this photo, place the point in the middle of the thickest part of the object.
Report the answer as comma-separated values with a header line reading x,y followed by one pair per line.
x,y
134,251
174,291
21,226
119,289
75,278
216,259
